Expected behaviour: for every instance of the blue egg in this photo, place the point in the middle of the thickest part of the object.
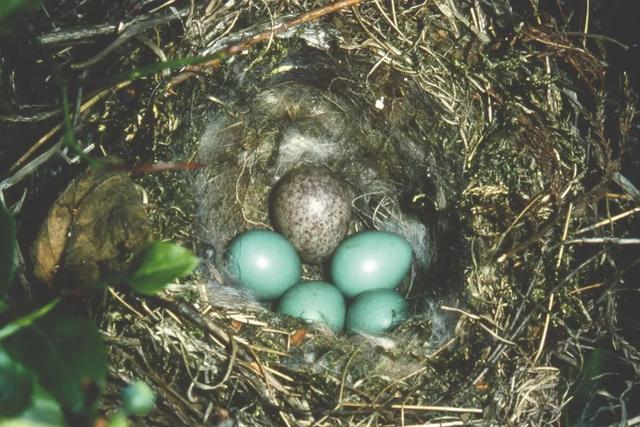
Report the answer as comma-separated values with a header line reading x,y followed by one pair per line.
x,y
315,302
375,312
264,262
370,260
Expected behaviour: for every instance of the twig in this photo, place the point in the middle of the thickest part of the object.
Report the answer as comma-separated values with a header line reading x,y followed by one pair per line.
x,y
344,377
595,36
587,14
626,185
168,392
482,325
232,359
417,408
126,34
514,327
545,330
146,168
124,303
47,136
538,198
608,220
36,117
565,232
603,240
76,35
187,311
442,348
587,288
310,16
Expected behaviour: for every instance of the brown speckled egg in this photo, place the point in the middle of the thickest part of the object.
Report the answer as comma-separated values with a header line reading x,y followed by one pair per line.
x,y
312,208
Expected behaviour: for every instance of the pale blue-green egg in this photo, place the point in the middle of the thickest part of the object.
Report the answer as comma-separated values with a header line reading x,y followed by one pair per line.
x,y
375,312
264,262
315,302
370,260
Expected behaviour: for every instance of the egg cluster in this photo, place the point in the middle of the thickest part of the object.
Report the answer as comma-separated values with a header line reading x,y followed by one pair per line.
x,y
365,269
311,208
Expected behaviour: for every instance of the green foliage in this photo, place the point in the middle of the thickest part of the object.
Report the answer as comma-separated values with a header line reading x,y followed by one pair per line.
x,y
50,362
67,356
158,264
599,391
43,411
69,138
7,248
138,399
14,326
9,7
16,386
119,420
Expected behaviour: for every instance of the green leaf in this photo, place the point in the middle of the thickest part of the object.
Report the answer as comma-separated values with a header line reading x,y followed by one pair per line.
x,y
16,386
12,16
14,326
4,306
7,248
69,137
594,388
119,420
138,398
159,264
67,356
9,7
43,411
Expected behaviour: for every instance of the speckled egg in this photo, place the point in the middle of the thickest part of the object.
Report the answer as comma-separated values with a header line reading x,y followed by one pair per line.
x,y
264,262
312,208
370,260
315,302
375,312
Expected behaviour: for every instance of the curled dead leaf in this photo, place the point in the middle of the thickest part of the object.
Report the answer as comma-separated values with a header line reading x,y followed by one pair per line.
x,y
91,230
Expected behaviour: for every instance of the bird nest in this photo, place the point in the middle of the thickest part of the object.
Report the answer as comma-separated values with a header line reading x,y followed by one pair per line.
x,y
479,133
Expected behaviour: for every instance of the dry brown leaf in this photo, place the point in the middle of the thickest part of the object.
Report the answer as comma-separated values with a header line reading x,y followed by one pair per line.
x,y
91,230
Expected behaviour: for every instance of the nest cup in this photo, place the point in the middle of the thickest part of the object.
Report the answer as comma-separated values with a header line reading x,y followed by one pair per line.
x,y
301,117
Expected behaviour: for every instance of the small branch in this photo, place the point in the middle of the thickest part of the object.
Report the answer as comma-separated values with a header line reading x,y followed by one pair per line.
x,y
595,36
36,117
565,232
416,408
128,32
603,240
626,185
31,167
587,15
78,35
481,324
608,221
188,312
545,330
146,168
310,16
